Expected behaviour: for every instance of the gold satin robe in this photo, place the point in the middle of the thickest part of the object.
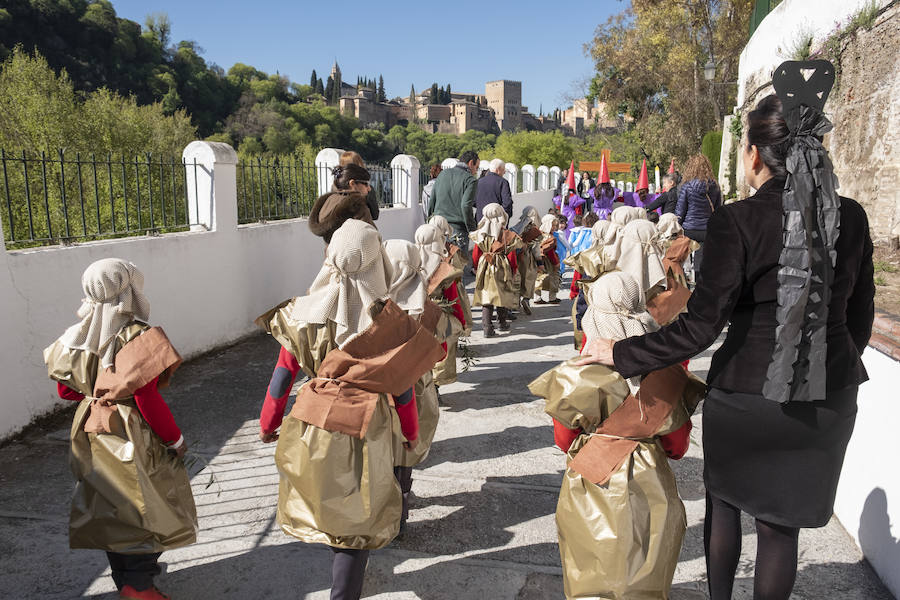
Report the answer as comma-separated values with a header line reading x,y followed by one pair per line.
x,y
131,496
494,281
619,540
335,489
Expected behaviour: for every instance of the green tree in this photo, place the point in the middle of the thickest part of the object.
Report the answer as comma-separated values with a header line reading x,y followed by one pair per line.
x,y
313,80
649,65
382,96
329,90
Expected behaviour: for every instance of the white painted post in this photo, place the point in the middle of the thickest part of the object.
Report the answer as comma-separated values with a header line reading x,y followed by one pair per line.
x,y
326,160
449,163
555,174
543,178
629,187
512,176
527,178
724,155
211,169
405,173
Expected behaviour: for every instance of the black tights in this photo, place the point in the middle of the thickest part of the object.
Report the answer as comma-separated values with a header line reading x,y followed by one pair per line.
x,y
348,568
776,553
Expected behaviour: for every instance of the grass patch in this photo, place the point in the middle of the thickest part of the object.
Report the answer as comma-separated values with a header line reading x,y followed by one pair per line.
x,y
880,280
883,266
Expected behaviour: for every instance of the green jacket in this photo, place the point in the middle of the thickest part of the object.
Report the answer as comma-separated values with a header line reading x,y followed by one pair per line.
x,y
453,197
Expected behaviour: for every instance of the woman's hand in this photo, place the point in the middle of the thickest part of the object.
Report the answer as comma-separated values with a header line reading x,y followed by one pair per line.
x,y
411,444
599,351
268,438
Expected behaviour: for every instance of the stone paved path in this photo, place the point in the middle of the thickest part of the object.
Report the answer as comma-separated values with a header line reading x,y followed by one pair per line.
x,y
481,524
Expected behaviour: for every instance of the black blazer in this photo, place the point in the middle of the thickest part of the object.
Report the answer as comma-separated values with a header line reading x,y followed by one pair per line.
x,y
738,285
492,188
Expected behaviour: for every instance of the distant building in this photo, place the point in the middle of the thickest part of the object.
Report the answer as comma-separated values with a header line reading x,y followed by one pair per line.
x,y
505,98
583,114
498,109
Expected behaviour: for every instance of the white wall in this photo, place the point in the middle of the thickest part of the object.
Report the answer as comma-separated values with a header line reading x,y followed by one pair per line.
x,y
868,497
776,36
542,201
205,288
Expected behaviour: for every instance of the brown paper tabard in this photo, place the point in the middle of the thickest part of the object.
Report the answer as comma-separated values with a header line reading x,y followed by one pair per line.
x,y
631,421
148,356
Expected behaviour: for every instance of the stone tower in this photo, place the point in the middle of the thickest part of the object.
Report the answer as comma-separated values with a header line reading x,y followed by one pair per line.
x,y
505,97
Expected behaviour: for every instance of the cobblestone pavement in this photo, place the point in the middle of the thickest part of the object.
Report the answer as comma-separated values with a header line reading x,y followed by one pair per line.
x,y
481,524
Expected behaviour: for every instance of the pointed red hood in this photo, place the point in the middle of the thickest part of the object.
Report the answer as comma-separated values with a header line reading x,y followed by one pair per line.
x,y
672,167
643,182
570,179
604,171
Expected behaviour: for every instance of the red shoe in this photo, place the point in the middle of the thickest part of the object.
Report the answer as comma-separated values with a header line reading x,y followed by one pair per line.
x,y
151,593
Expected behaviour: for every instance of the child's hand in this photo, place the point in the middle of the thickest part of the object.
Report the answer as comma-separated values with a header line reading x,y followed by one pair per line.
x,y
268,437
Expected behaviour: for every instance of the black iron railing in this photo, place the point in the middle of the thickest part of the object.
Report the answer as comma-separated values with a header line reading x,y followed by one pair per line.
x,y
272,189
382,181
59,197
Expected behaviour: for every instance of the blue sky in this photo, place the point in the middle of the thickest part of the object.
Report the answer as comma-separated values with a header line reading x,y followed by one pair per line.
x,y
539,43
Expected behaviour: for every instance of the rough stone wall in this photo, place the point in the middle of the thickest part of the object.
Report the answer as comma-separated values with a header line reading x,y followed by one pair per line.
x,y
865,110
865,143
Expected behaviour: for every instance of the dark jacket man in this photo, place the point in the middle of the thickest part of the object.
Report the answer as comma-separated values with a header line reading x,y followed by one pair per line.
x,y
453,195
493,189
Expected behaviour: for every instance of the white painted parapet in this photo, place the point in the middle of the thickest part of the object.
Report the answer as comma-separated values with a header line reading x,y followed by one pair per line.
x,y
543,178
512,176
528,178
868,495
210,172
205,286
555,174
326,160
405,172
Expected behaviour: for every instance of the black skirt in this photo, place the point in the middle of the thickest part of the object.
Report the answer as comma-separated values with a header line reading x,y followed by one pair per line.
x,y
777,462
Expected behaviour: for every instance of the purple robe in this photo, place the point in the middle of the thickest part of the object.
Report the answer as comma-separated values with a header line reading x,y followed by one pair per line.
x,y
568,211
603,203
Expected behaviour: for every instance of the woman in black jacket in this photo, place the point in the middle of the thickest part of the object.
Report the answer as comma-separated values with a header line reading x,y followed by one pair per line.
x,y
782,388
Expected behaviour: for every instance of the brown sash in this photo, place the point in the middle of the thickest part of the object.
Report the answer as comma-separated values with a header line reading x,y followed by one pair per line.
x,y
667,305
548,244
147,356
430,316
531,234
444,271
602,456
387,358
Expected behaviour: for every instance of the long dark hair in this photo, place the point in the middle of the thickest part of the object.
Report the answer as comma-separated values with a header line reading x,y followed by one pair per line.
x,y
767,131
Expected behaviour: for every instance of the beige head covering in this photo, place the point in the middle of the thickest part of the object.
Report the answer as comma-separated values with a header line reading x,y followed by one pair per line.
x,y
603,233
432,247
616,311
547,222
624,215
407,287
113,297
493,220
443,226
356,273
636,252
669,227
